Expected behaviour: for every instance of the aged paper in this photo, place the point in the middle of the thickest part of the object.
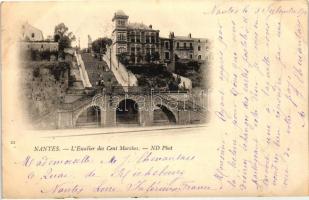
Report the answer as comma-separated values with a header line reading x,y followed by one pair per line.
x,y
247,136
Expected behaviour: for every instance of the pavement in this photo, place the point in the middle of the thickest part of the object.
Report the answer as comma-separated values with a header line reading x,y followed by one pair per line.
x,y
86,132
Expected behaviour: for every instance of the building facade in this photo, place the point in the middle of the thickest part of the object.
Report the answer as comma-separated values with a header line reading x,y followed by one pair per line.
x,y
32,39
187,47
30,33
143,43
139,41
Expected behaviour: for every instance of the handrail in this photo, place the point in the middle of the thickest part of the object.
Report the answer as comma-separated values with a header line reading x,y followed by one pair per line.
x,y
82,70
119,70
76,104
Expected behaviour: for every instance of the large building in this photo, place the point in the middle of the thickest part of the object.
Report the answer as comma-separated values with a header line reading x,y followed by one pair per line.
x,y
31,38
141,42
136,39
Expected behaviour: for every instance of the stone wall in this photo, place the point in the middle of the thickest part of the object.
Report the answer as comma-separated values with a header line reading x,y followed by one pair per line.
x,y
44,85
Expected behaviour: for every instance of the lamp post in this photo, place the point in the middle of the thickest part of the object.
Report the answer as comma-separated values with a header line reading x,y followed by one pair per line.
x,y
128,79
110,58
151,103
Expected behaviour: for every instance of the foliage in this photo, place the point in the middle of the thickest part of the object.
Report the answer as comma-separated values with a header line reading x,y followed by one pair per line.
x,y
148,57
58,70
123,58
36,72
139,57
152,57
42,55
193,70
156,56
72,79
99,46
176,58
63,36
154,76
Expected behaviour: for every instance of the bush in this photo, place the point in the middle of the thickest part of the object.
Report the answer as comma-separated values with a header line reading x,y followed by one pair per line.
x,y
42,55
123,58
99,45
36,72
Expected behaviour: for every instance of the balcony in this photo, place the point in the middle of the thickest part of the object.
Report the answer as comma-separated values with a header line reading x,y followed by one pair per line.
x,y
184,48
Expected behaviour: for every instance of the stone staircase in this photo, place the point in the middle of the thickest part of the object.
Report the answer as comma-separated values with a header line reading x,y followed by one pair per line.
x,y
124,76
97,71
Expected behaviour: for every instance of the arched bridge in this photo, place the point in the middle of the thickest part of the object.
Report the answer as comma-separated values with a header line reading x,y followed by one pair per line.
x,y
131,108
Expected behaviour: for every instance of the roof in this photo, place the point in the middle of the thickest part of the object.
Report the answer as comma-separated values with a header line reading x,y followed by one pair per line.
x,y
183,38
140,26
186,38
120,13
200,39
27,26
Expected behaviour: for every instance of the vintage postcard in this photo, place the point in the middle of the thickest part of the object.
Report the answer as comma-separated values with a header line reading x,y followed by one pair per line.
x,y
154,98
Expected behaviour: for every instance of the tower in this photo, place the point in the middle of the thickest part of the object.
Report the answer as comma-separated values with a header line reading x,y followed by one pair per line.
x,y
120,20
89,43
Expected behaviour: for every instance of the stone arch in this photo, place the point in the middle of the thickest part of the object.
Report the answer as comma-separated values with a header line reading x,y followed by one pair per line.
x,y
127,112
87,110
164,115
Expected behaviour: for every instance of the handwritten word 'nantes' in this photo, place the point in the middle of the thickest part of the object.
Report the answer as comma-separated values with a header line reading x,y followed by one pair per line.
x,y
246,9
260,97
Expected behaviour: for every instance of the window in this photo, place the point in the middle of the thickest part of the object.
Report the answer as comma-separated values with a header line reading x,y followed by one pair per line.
x,y
138,37
177,44
199,57
121,37
166,45
199,48
190,45
185,45
121,50
167,55
191,56
120,22
32,35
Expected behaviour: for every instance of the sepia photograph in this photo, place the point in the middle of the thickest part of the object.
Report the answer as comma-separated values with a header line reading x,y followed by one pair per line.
x,y
155,98
131,75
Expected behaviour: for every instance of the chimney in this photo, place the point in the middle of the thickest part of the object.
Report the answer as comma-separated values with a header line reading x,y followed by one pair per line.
x,y
150,26
189,35
171,35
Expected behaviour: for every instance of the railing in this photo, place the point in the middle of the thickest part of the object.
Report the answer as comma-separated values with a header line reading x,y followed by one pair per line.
x,y
140,90
123,76
82,70
77,104
184,48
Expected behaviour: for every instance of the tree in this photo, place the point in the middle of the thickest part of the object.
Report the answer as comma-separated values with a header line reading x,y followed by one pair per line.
x,y
99,46
156,56
63,36
148,57
123,58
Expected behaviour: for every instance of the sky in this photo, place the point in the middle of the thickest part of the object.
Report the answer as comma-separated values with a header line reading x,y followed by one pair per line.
x,y
95,18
